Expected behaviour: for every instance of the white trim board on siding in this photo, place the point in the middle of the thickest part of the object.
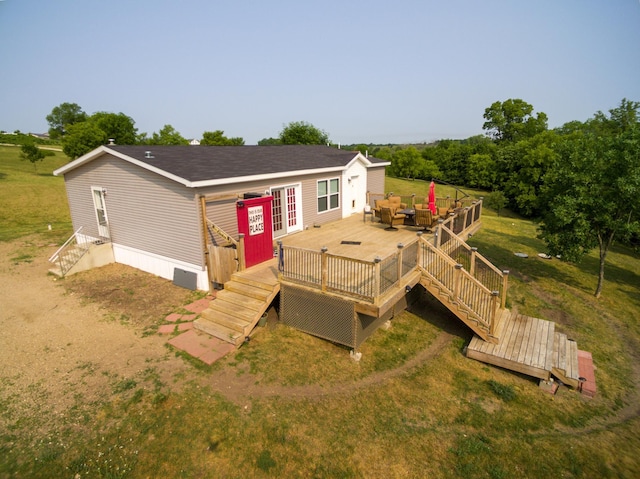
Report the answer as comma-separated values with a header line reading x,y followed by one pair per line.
x,y
158,265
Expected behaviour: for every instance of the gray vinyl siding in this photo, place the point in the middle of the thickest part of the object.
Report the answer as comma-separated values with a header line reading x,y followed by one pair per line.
x,y
310,200
375,179
223,212
145,211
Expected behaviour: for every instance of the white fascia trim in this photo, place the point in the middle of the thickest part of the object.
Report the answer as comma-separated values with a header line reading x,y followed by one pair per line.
x,y
366,162
80,161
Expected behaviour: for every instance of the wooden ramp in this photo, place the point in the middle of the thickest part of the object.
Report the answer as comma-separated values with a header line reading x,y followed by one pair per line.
x,y
530,346
240,305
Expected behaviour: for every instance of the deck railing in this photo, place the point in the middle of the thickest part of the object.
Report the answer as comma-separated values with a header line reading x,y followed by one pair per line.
x,y
460,284
361,279
70,252
477,265
467,276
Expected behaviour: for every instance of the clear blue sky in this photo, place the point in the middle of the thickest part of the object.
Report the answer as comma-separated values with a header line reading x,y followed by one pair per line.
x,y
364,71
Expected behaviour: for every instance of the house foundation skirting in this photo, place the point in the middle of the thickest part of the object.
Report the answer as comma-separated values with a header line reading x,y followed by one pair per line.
x,y
330,317
158,265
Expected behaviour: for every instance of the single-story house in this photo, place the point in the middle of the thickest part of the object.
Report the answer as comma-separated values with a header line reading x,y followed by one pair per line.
x,y
147,201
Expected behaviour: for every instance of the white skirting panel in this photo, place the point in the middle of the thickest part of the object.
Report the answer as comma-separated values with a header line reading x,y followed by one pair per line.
x,y
158,265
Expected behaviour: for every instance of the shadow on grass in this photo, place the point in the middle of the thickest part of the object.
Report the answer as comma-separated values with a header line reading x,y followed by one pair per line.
x,y
429,309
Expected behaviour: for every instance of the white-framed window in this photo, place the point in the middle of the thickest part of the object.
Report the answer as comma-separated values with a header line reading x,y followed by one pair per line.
x,y
328,194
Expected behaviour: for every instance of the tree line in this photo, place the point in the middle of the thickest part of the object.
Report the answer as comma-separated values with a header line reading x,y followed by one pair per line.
x,y
580,181
80,133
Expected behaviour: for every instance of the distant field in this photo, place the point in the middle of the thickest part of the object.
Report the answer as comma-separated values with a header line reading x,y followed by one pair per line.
x,y
31,201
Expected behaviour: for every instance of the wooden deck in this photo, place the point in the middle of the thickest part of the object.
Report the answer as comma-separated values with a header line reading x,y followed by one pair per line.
x,y
374,239
530,346
517,342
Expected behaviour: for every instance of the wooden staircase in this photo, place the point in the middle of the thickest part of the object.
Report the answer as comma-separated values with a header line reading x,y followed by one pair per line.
x,y
513,341
239,306
462,311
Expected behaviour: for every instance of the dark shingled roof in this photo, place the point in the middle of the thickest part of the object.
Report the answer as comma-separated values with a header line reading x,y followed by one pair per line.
x,y
203,163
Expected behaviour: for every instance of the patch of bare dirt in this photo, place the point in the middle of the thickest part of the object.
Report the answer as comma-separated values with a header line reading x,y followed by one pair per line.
x,y
61,349
138,298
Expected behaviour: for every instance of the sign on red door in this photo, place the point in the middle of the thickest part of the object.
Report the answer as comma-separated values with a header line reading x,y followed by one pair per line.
x,y
255,222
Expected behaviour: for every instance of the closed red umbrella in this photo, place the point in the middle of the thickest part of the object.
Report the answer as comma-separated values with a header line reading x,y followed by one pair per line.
x,y
432,199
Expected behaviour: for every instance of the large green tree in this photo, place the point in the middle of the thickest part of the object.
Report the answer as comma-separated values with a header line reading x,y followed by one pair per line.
x,y
303,133
167,135
513,120
117,126
217,138
591,192
521,168
63,116
81,138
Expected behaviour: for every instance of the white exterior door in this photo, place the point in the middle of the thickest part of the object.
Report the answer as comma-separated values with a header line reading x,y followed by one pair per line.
x,y
101,211
286,211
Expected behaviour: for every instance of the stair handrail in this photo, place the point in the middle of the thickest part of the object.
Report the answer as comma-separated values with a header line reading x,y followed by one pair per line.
x,y
473,257
221,232
484,314
54,256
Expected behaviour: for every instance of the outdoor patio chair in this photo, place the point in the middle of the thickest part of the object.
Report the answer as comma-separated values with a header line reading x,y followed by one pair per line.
x,y
425,218
389,217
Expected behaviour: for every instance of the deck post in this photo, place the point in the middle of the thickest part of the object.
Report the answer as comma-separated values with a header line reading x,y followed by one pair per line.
x,y
280,260
376,278
472,266
439,233
399,265
456,280
494,309
325,268
420,252
505,287
203,218
241,258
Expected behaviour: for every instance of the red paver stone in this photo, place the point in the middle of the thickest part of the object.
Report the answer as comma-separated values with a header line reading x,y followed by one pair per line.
x,y
173,317
185,326
188,317
202,346
198,306
167,328
215,354
586,370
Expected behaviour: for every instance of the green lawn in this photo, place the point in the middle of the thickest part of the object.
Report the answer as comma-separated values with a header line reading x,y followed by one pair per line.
x,y
326,416
32,200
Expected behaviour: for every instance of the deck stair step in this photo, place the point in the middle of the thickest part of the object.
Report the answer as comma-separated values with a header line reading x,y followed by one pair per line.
x,y
238,307
219,331
247,290
238,299
565,360
230,321
233,309
244,279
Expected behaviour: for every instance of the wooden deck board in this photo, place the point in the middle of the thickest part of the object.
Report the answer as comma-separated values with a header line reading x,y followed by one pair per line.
x,y
548,361
522,355
524,346
374,240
